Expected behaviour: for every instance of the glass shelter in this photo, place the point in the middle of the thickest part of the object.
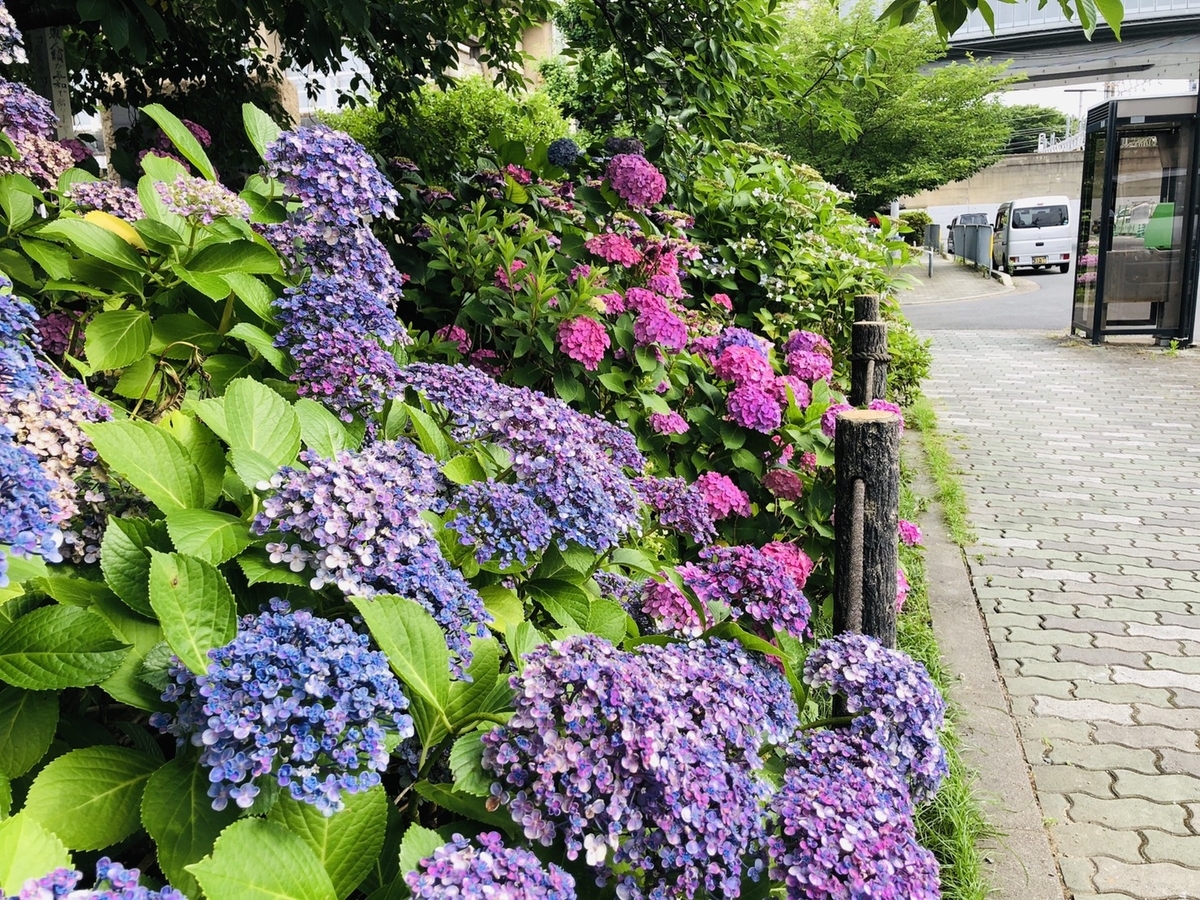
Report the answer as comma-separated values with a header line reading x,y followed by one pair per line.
x,y
1136,263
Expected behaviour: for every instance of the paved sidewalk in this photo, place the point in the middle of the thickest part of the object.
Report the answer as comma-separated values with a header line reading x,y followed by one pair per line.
x,y
1082,474
952,280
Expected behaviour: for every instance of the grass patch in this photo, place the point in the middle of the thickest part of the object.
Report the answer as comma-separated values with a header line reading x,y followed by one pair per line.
x,y
952,824
943,469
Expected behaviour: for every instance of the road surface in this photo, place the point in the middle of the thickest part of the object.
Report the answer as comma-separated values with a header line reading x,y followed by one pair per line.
x,y
1041,302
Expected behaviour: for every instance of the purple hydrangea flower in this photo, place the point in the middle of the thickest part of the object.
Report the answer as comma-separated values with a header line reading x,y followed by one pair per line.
x,y
807,342
679,506
294,696
113,882
896,705
337,333
12,48
201,200
741,337
28,513
749,406
887,406
809,366
635,180
489,870
353,256
501,521
358,517
668,423
636,760
830,416
107,196
656,323
570,464
910,533
22,111
329,171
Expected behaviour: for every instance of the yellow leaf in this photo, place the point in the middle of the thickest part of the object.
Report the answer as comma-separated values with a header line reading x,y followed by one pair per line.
x,y
119,227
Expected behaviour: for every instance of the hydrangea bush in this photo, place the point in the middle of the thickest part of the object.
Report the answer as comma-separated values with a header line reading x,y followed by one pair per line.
x,y
297,600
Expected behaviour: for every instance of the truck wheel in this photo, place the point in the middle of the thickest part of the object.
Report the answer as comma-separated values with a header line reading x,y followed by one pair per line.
x,y
1064,267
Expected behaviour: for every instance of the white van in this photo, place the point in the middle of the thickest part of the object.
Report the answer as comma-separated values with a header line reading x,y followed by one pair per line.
x,y
1033,232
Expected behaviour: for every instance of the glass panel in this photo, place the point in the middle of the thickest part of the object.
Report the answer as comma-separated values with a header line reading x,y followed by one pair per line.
x,y
1039,216
1088,256
1143,281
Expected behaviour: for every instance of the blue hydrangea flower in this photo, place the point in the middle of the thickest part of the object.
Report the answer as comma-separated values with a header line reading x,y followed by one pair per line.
x,y
27,510
354,256
679,506
12,48
501,521
294,696
489,870
562,153
358,518
18,340
113,882
896,705
24,112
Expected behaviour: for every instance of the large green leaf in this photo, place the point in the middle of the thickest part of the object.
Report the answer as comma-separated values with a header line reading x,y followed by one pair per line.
x,y
258,419
90,240
208,535
27,723
468,805
255,859
413,644
126,684
466,764
322,431
567,602
125,558
151,460
263,344
177,812
419,843
90,798
194,606
235,256
467,697
27,850
203,448
185,142
58,647
116,339
260,128
346,843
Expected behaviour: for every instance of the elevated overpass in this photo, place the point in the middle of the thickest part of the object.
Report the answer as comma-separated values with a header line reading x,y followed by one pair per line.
x,y
1160,39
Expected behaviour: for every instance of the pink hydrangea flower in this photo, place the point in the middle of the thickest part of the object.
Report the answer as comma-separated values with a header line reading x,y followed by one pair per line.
x,y
581,271
885,406
743,365
584,340
829,418
795,560
663,601
506,278
910,533
614,248
657,324
635,180
808,462
668,423
455,335
614,303
667,285
723,301
636,298
809,365
723,496
751,407
784,484
902,588
800,389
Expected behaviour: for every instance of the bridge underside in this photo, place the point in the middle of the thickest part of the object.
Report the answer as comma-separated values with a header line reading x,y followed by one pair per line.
x,y
1147,51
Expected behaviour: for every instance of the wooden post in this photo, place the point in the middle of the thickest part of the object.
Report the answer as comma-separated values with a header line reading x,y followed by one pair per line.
x,y
51,78
869,356
867,462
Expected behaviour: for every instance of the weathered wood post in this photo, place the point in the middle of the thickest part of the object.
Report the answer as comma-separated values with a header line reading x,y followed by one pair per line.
x,y
867,461
869,356
51,77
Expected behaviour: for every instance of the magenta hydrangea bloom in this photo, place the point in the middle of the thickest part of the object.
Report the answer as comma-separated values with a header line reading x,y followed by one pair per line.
x,y
484,869
886,406
751,407
809,366
657,324
902,588
743,365
506,278
795,560
723,301
784,484
635,180
723,496
668,423
807,342
584,340
910,533
614,248
830,416
456,335
778,388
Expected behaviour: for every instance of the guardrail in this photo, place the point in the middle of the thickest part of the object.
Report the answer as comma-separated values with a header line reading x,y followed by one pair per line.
x,y
973,243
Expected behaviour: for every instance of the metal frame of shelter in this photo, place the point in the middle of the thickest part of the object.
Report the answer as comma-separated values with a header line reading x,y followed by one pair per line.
x,y
1136,259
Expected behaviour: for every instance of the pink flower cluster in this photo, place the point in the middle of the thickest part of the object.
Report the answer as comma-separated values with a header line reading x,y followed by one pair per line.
x,y
456,335
635,180
584,340
910,533
784,484
668,423
656,321
614,248
506,278
723,496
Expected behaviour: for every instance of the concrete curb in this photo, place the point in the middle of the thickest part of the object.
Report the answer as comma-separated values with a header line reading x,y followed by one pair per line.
x,y
1019,862
1003,277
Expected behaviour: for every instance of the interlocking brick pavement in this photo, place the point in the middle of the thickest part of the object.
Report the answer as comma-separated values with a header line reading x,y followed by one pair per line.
x,y
1081,467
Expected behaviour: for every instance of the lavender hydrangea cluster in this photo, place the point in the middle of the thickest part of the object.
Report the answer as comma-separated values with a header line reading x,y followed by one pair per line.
x,y
678,505
294,696
483,869
757,588
502,522
28,513
23,111
338,332
327,169
358,519
353,256
843,830
201,201
12,46
107,196
18,340
569,464
113,882
47,421
630,761
895,704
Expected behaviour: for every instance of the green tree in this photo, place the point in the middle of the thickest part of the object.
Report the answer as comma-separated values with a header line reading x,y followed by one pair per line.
x,y
897,130
1028,121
